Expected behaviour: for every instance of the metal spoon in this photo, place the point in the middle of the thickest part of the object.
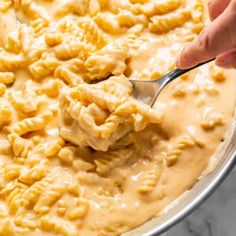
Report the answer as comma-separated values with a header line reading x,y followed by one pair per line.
x,y
147,91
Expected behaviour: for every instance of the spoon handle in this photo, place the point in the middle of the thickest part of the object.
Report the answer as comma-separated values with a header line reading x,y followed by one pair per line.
x,y
166,79
178,72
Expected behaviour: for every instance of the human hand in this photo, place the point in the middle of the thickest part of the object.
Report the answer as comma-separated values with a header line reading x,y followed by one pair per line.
x,y
217,40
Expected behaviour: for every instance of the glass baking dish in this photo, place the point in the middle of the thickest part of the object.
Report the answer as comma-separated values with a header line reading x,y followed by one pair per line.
x,y
190,200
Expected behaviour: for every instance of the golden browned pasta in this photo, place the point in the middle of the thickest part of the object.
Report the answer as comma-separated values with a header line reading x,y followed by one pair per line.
x,y
7,77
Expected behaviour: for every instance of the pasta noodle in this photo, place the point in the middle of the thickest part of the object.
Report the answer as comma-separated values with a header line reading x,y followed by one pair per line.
x,y
8,21
6,228
72,73
31,124
108,23
14,199
23,100
111,128
150,179
44,67
80,211
11,172
57,225
19,145
2,89
106,161
163,24
46,201
211,119
93,34
160,7
176,150
7,77
33,175
107,61
32,194
198,11
5,113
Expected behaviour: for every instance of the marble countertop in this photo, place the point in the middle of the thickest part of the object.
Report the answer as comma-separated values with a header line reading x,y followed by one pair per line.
x,y
216,217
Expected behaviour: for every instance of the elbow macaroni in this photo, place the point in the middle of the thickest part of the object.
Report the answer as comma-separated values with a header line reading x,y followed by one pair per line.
x,y
75,144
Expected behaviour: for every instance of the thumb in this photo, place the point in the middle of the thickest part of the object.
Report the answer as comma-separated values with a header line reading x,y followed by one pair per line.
x,y
216,7
218,37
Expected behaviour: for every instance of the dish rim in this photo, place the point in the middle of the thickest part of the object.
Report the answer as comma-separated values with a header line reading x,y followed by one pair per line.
x,y
226,162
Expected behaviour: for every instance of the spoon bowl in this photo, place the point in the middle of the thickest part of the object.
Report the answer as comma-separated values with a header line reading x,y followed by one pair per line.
x,y
147,91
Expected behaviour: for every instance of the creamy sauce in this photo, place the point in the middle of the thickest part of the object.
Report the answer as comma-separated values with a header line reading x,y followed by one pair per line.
x,y
78,154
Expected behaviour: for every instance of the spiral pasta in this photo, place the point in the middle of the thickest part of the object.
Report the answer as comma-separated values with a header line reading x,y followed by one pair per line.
x,y
31,124
163,24
111,126
79,154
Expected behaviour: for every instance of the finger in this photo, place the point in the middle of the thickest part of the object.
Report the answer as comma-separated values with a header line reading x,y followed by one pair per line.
x,y
227,60
217,38
216,7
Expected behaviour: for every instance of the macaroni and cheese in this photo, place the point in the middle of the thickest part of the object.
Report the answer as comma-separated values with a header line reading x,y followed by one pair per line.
x,y
79,155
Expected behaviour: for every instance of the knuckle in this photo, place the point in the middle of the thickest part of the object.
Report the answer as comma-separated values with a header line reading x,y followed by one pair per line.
x,y
187,56
204,42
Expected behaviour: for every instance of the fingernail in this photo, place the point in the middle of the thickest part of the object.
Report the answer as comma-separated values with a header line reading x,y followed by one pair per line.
x,y
179,59
177,62
181,62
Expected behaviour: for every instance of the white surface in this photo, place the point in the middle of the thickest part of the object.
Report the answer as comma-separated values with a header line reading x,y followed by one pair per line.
x,y
216,217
